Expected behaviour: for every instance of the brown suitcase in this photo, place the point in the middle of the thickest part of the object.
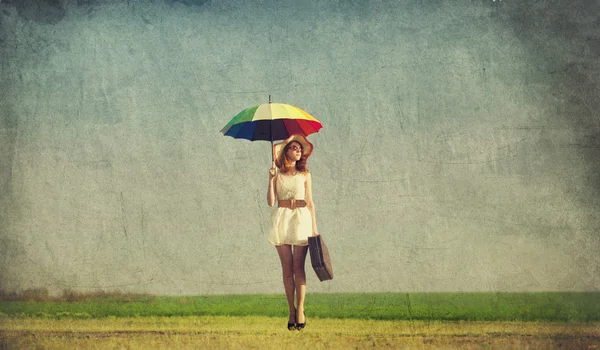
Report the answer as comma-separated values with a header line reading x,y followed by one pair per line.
x,y
319,258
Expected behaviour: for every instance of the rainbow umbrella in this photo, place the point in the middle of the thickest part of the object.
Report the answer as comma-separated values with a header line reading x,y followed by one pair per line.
x,y
271,122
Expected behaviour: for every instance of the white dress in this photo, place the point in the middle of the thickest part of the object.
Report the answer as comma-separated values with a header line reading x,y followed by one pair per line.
x,y
290,226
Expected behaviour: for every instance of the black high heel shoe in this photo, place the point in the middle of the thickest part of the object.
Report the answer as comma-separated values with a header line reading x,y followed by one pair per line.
x,y
300,326
292,326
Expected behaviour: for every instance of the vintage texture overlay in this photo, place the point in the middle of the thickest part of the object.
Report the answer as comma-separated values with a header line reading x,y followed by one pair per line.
x,y
460,149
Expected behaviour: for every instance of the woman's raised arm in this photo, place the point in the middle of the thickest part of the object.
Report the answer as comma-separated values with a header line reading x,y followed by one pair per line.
x,y
272,186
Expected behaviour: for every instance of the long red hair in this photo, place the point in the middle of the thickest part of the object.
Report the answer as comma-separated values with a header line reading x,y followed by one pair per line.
x,y
286,163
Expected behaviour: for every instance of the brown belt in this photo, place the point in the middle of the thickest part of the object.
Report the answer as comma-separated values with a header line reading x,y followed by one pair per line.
x,y
291,203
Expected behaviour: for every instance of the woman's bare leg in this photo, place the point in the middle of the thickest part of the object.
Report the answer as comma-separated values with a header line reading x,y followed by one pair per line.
x,y
300,277
287,266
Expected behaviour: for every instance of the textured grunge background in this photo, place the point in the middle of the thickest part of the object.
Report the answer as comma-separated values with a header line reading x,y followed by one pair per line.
x,y
460,149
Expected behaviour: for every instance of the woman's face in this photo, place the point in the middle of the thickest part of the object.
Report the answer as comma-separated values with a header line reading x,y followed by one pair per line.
x,y
294,151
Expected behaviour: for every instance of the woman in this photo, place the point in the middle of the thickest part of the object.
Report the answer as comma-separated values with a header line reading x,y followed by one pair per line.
x,y
293,220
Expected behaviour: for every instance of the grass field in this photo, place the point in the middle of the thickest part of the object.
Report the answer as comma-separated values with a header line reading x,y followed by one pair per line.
x,y
555,307
270,333
382,320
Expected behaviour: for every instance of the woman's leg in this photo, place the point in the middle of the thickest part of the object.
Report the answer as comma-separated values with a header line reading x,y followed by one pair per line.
x,y
287,266
300,277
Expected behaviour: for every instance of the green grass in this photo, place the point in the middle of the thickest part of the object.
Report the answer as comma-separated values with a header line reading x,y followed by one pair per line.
x,y
558,307
260,332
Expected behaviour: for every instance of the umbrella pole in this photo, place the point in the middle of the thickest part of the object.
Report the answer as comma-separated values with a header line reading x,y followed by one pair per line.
x,y
271,133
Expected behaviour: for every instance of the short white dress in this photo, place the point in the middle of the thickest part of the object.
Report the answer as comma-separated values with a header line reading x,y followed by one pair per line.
x,y
290,226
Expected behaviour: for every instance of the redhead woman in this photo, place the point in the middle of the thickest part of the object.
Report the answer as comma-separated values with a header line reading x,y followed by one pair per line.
x,y
293,219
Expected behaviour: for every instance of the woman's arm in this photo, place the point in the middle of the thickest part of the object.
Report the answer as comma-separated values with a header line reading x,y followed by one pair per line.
x,y
310,204
272,186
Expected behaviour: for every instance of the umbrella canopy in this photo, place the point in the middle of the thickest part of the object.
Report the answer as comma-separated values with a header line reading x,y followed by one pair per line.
x,y
271,122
